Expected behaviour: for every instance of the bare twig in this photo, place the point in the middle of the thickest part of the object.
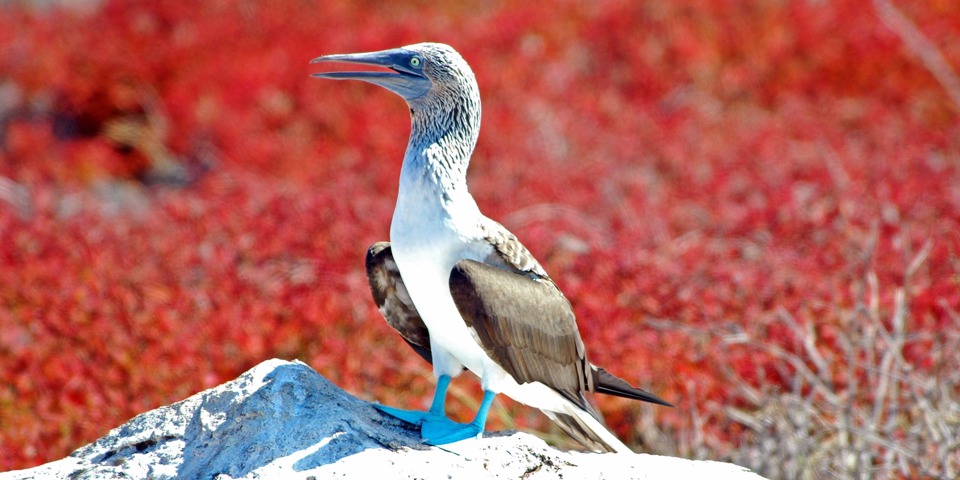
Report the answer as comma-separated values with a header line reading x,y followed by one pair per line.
x,y
921,46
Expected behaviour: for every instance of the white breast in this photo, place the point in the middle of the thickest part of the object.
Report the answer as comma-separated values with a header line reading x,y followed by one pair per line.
x,y
427,239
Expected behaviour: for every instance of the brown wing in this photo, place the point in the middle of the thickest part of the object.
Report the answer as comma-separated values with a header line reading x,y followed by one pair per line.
x,y
393,300
525,325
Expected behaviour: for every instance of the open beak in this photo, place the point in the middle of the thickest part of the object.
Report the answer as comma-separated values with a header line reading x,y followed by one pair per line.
x,y
404,80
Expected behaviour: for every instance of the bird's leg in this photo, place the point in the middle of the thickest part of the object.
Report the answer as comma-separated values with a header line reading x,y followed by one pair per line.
x,y
438,406
440,433
436,414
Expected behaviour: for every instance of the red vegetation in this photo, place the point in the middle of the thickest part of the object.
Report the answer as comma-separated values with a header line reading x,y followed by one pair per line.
x,y
180,201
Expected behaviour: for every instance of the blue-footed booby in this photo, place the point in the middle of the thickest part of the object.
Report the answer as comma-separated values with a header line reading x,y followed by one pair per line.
x,y
458,286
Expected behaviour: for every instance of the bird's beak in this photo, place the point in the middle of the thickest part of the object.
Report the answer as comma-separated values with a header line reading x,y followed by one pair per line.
x,y
404,80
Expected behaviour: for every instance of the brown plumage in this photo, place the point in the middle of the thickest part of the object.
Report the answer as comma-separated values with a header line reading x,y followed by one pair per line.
x,y
536,341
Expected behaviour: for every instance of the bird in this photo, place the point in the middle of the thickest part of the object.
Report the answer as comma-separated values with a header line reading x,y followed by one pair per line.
x,y
457,286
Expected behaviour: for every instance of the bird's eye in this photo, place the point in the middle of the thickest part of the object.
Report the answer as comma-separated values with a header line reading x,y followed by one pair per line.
x,y
415,62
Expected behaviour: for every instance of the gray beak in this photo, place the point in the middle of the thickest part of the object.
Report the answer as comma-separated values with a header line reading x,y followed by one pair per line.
x,y
404,80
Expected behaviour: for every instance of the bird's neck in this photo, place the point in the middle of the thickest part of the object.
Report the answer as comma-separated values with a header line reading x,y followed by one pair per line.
x,y
441,143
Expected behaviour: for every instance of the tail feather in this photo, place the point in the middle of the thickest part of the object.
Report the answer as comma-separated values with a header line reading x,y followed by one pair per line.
x,y
610,384
584,424
587,430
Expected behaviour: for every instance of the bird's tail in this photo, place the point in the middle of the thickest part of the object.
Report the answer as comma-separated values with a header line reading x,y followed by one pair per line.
x,y
588,430
610,384
584,424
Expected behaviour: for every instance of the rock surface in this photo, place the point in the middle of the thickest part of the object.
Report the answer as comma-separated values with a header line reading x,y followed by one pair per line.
x,y
283,420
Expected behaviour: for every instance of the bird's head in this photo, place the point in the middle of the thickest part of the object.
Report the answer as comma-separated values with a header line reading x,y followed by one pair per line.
x,y
426,75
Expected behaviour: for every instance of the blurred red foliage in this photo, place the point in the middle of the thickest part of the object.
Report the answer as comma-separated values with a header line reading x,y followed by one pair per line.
x,y
709,163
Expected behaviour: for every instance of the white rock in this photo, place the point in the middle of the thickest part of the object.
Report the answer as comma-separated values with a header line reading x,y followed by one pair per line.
x,y
283,420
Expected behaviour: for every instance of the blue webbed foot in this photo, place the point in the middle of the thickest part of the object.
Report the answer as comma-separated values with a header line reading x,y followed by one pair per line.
x,y
441,433
415,417
448,431
435,427
435,415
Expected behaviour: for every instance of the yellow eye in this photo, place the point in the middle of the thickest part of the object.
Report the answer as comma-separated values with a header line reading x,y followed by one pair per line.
x,y
415,62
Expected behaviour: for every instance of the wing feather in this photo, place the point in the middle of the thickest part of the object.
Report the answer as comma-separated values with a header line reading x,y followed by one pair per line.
x,y
525,325
509,254
394,302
